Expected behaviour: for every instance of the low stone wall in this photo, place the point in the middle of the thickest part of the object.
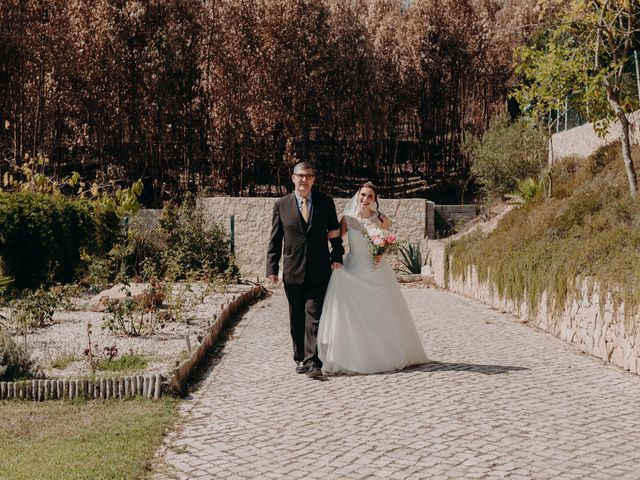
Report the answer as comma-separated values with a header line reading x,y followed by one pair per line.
x,y
582,141
252,219
596,327
411,219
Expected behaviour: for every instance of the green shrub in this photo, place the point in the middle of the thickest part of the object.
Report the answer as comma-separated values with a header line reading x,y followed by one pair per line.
x,y
135,256
36,309
43,237
107,228
15,361
505,153
192,247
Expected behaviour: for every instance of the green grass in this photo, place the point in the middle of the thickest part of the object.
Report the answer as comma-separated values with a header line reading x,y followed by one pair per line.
x,y
63,360
81,440
123,363
589,230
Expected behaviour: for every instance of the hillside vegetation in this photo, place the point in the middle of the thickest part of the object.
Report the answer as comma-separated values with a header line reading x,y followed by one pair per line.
x,y
588,231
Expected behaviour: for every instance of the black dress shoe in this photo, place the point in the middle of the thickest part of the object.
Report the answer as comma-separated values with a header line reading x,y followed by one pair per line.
x,y
314,372
300,368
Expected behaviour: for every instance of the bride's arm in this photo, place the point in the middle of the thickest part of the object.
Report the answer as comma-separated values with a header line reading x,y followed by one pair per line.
x,y
384,222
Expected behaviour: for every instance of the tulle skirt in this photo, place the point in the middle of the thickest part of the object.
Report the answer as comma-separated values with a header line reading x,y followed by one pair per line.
x,y
366,325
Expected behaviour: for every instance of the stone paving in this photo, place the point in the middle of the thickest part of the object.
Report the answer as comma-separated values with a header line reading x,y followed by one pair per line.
x,y
499,400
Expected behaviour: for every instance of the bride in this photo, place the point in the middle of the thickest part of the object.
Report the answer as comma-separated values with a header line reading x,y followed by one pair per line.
x,y
366,325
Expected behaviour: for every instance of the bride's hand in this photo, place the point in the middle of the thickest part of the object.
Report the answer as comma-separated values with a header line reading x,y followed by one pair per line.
x,y
377,259
333,234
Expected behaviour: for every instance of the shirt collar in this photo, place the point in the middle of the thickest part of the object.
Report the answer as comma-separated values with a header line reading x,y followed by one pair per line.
x,y
299,198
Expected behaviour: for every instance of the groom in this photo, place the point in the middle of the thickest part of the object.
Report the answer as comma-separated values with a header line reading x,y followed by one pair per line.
x,y
303,219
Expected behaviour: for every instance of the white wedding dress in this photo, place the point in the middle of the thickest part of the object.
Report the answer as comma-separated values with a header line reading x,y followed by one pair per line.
x,y
366,325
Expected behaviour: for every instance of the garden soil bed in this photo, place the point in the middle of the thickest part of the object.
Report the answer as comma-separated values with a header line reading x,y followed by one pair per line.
x,y
163,349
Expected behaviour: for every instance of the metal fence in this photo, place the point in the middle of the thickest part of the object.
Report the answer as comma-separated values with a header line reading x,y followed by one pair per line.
x,y
571,115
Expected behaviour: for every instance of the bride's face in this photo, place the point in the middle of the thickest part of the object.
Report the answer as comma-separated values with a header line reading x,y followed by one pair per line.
x,y
366,200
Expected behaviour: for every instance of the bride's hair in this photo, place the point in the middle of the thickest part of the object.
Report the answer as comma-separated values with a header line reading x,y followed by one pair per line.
x,y
370,184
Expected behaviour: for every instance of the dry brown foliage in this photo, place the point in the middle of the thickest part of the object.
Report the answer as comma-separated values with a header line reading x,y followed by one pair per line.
x,y
206,95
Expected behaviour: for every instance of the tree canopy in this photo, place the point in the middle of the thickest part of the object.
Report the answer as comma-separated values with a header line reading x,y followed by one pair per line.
x,y
585,52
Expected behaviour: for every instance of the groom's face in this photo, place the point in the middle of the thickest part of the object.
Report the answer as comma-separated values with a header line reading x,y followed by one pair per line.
x,y
303,179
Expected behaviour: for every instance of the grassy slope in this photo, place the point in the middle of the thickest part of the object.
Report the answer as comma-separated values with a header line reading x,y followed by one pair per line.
x,y
92,440
590,229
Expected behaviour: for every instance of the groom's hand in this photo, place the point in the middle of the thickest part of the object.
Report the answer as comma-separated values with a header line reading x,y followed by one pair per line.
x,y
273,278
336,265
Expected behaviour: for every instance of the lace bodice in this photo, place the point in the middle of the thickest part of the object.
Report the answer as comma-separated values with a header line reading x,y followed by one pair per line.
x,y
359,258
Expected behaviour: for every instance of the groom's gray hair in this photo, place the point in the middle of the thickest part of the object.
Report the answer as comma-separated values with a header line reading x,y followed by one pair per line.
x,y
304,166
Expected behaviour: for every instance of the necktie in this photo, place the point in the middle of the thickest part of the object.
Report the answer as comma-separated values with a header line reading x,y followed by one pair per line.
x,y
304,210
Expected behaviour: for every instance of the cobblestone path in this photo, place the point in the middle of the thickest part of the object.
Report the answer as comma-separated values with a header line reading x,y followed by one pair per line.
x,y
499,400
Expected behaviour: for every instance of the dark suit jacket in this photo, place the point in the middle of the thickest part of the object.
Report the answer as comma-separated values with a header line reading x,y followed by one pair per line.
x,y
306,250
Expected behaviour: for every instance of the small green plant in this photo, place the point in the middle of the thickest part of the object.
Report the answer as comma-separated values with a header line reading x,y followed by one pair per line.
x,y
36,309
181,301
15,361
138,316
411,258
528,189
123,363
91,350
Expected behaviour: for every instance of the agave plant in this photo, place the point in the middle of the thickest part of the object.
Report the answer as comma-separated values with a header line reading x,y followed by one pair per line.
x,y
528,189
411,258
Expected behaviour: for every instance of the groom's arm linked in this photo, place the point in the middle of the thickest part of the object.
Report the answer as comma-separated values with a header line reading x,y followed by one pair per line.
x,y
274,250
337,249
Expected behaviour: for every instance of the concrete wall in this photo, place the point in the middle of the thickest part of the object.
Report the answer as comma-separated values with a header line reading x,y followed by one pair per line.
x,y
583,141
448,216
253,224
411,219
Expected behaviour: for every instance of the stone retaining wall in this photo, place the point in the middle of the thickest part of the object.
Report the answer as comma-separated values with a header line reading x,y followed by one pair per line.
x,y
597,328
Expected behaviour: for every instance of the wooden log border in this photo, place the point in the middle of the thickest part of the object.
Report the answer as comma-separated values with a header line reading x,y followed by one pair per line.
x,y
146,386
93,389
181,375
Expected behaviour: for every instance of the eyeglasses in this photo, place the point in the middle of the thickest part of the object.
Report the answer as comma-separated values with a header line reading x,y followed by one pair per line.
x,y
304,176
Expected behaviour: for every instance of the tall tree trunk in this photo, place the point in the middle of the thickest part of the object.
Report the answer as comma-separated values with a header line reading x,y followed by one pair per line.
x,y
625,140
626,155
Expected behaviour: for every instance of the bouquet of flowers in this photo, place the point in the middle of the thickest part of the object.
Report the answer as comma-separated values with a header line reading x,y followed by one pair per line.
x,y
381,241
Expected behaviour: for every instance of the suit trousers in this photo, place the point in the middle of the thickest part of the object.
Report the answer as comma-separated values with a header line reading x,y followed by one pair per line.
x,y
305,308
